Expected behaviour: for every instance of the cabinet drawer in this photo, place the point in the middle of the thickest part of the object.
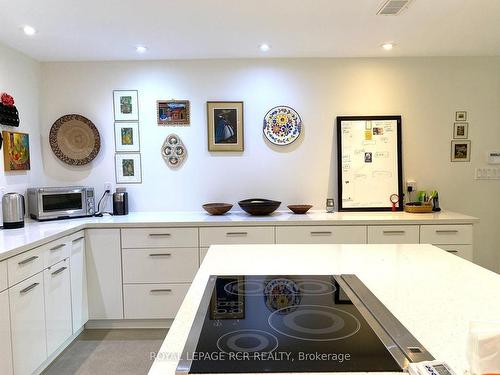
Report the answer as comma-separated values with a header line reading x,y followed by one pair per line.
x,y
153,301
321,234
393,234
5,336
3,276
54,252
159,265
203,253
463,251
236,235
24,265
159,237
446,234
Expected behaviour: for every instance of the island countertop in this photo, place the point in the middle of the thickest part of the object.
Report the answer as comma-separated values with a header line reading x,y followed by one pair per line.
x,y
434,294
15,241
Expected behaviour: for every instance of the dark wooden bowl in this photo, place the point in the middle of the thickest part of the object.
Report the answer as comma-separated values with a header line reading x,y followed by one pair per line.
x,y
217,208
299,208
259,207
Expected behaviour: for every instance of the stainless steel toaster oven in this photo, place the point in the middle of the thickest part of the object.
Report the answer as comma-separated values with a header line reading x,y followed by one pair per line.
x,y
49,203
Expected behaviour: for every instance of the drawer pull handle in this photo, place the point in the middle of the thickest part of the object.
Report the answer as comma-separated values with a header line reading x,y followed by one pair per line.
x,y
58,247
160,290
159,234
321,233
160,255
30,259
78,239
452,251
28,288
56,272
394,231
446,231
229,234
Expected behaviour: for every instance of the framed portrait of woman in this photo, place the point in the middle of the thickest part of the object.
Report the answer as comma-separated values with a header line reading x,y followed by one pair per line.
x,y
225,126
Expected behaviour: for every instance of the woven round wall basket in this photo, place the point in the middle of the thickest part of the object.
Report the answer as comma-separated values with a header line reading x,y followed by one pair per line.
x,y
74,139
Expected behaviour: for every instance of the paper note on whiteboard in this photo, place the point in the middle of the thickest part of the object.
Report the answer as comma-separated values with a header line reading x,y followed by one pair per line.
x,y
369,163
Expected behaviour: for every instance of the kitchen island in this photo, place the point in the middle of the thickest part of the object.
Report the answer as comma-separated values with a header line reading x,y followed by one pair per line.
x,y
432,293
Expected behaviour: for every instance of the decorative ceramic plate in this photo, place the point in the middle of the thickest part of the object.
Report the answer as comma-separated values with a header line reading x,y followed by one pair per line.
x,y
282,125
282,294
173,151
75,140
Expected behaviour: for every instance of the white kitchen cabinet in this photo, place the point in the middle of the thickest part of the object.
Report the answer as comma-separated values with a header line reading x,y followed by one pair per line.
x,y
133,238
446,234
463,251
203,253
25,265
5,340
3,276
55,251
27,311
78,273
57,290
104,274
236,236
153,301
159,265
321,234
393,234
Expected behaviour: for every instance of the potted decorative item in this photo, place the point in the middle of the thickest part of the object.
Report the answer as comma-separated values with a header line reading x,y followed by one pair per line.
x,y
8,112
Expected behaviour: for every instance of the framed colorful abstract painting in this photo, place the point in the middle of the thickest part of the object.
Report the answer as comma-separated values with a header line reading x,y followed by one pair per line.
x,y
126,105
16,151
225,126
172,112
127,137
128,168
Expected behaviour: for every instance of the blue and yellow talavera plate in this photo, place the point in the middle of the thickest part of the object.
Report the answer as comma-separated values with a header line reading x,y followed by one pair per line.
x,y
282,125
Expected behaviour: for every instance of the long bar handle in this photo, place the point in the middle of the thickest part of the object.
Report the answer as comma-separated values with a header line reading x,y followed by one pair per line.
x,y
58,247
446,231
229,234
452,251
160,255
79,238
159,235
160,290
394,232
30,259
58,271
28,288
325,233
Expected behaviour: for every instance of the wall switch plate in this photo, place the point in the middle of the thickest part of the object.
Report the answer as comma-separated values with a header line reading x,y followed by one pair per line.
x,y
493,157
487,173
412,184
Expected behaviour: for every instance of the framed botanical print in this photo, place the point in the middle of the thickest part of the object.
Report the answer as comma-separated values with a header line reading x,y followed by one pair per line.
x,y
16,151
225,126
127,137
461,130
172,112
126,105
128,168
460,150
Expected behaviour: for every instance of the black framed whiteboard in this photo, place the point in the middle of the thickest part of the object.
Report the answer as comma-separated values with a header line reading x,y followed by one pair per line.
x,y
369,162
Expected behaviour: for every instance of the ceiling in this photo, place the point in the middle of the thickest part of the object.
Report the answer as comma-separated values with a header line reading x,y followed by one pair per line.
x,y
70,30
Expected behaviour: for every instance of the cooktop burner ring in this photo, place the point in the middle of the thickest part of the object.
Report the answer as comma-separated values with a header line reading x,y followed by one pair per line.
x,y
324,288
235,288
295,329
228,342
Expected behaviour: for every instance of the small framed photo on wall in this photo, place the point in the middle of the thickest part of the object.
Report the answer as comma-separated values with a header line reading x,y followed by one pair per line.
x,y
126,105
225,126
128,168
127,137
460,151
461,116
172,112
461,130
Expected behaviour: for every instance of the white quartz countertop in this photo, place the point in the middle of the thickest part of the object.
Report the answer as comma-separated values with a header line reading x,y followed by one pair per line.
x,y
433,293
15,241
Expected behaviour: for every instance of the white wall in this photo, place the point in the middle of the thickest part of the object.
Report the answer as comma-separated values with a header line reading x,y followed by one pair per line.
x,y
20,77
425,91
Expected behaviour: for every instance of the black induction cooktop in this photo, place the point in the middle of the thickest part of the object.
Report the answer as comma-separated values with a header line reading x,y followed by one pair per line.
x,y
251,324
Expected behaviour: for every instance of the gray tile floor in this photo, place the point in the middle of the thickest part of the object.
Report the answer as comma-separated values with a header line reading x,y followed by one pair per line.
x,y
109,352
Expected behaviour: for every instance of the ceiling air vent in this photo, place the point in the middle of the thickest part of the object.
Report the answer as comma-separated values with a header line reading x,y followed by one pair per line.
x,y
393,7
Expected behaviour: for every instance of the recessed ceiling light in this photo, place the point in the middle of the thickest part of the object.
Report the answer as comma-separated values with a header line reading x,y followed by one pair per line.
x,y
29,30
264,47
388,46
141,49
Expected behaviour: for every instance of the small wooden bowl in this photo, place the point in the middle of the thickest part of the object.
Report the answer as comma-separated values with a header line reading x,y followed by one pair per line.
x,y
418,207
299,208
217,208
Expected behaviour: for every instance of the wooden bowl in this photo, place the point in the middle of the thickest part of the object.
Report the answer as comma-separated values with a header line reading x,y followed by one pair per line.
x,y
217,208
257,206
299,208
